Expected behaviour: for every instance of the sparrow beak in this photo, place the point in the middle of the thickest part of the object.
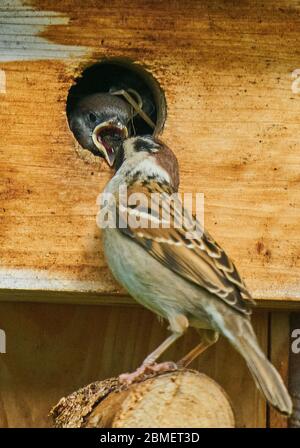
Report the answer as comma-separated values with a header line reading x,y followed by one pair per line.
x,y
105,135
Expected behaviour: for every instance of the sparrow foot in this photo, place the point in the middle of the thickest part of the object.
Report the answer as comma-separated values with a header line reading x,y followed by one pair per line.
x,y
146,370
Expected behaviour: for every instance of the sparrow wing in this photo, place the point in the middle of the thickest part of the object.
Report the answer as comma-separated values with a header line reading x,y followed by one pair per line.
x,y
193,255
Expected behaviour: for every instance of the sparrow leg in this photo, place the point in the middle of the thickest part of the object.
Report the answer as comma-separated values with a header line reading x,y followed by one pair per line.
x,y
209,338
178,325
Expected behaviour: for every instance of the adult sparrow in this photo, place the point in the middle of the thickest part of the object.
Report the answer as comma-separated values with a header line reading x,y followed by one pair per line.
x,y
186,279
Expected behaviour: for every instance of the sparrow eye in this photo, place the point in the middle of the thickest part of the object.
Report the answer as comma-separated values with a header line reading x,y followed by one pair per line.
x,y
92,117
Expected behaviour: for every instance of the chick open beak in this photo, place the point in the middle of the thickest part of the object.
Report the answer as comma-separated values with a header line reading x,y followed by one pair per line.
x,y
107,136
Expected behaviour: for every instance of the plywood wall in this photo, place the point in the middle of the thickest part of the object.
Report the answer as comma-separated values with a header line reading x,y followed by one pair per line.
x,y
55,349
228,72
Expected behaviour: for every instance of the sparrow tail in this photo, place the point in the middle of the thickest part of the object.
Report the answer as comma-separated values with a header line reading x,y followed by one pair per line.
x,y
264,373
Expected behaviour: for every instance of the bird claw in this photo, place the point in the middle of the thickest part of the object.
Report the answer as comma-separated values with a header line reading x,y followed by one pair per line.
x,y
146,370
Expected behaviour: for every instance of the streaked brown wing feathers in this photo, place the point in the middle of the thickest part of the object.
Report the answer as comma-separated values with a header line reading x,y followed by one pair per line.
x,y
200,260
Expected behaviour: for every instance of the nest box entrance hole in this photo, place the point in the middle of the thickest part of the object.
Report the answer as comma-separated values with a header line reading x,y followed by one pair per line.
x,y
114,75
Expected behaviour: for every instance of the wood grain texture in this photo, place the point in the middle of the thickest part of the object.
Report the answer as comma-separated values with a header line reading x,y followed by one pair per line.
x,y
182,399
294,369
53,350
279,348
233,122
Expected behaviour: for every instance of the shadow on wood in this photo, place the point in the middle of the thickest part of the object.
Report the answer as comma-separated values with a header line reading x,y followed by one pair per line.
x,y
183,398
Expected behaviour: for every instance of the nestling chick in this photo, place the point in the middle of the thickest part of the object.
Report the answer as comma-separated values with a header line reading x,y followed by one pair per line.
x,y
188,282
100,123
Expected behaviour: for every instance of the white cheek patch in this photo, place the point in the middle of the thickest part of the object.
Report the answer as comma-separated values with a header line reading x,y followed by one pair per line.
x,y
129,149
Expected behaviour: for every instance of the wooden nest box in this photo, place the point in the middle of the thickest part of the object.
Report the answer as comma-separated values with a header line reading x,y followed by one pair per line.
x,y
224,80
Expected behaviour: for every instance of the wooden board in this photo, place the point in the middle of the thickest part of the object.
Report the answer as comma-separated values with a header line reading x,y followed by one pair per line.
x,y
53,350
233,122
279,349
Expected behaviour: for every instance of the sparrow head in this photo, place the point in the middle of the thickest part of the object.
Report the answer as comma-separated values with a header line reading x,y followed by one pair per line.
x,y
100,124
147,159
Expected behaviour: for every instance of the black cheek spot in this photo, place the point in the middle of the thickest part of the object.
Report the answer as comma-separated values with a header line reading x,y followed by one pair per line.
x,y
146,145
